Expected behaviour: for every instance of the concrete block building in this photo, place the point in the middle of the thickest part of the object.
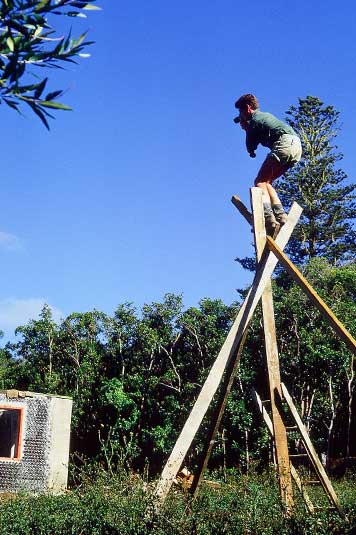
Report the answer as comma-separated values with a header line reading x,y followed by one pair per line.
x,y
34,441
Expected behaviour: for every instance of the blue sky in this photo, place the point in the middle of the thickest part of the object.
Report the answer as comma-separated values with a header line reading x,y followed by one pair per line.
x,y
128,196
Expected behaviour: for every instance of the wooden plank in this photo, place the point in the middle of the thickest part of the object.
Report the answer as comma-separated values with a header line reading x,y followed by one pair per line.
x,y
236,201
272,359
264,413
216,418
313,296
228,350
318,467
308,503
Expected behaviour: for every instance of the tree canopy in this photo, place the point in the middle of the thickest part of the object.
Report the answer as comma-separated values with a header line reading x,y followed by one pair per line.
x,y
134,375
29,43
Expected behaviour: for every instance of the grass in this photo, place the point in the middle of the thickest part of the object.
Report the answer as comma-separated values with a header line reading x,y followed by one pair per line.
x,y
117,505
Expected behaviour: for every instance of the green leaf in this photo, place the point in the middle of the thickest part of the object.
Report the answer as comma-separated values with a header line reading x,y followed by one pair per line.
x,y
39,113
42,5
76,14
40,87
56,105
53,95
92,8
81,38
20,70
79,4
12,104
10,43
86,6
38,31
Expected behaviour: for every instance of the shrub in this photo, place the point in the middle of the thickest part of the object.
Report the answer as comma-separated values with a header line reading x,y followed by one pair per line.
x,y
120,504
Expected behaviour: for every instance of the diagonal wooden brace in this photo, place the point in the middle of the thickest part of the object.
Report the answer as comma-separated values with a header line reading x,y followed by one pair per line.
x,y
318,467
215,420
323,308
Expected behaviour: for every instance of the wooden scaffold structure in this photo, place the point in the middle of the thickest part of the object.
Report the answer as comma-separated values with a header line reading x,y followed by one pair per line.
x,y
269,251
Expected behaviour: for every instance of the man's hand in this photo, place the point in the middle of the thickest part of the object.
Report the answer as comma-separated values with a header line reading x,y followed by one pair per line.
x,y
243,124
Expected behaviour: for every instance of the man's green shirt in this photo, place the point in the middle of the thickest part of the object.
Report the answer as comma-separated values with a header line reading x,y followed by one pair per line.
x,y
266,129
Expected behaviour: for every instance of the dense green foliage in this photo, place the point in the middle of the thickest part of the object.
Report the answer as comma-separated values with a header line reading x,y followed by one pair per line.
x,y
28,43
134,376
120,505
318,185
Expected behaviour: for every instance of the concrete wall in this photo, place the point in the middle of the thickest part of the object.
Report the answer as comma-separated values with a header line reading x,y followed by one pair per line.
x,y
41,464
60,419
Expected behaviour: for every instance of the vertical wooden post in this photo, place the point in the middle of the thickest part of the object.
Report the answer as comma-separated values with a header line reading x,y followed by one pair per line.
x,y
279,430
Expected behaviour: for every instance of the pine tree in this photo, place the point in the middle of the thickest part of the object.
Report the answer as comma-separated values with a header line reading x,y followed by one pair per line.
x,y
318,185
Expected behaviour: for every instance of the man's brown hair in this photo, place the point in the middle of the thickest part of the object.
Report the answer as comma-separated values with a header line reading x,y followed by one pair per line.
x,y
244,100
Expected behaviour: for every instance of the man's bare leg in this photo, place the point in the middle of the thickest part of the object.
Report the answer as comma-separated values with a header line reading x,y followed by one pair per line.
x,y
270,220
265,191
274,211
273,195
277,206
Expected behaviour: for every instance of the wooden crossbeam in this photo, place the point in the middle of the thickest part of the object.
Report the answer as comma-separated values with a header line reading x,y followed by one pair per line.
x,y
313,296
227,352
236,201
272,359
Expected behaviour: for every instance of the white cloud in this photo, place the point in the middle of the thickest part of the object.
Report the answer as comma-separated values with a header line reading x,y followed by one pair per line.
x,y
10,241
15,312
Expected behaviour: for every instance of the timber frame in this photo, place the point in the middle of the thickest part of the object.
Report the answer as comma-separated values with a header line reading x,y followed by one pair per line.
x,y
268,252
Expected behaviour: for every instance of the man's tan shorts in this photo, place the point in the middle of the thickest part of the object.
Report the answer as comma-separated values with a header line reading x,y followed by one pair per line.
x,y
287,150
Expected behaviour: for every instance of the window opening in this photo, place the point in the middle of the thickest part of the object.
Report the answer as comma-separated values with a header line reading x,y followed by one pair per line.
x,y
10,432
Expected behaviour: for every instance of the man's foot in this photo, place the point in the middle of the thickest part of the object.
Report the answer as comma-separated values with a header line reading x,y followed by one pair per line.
x,y
270,220
271,228
279,213
271,224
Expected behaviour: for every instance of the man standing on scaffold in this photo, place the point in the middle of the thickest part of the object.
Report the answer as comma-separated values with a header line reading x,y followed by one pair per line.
x,y
286,150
